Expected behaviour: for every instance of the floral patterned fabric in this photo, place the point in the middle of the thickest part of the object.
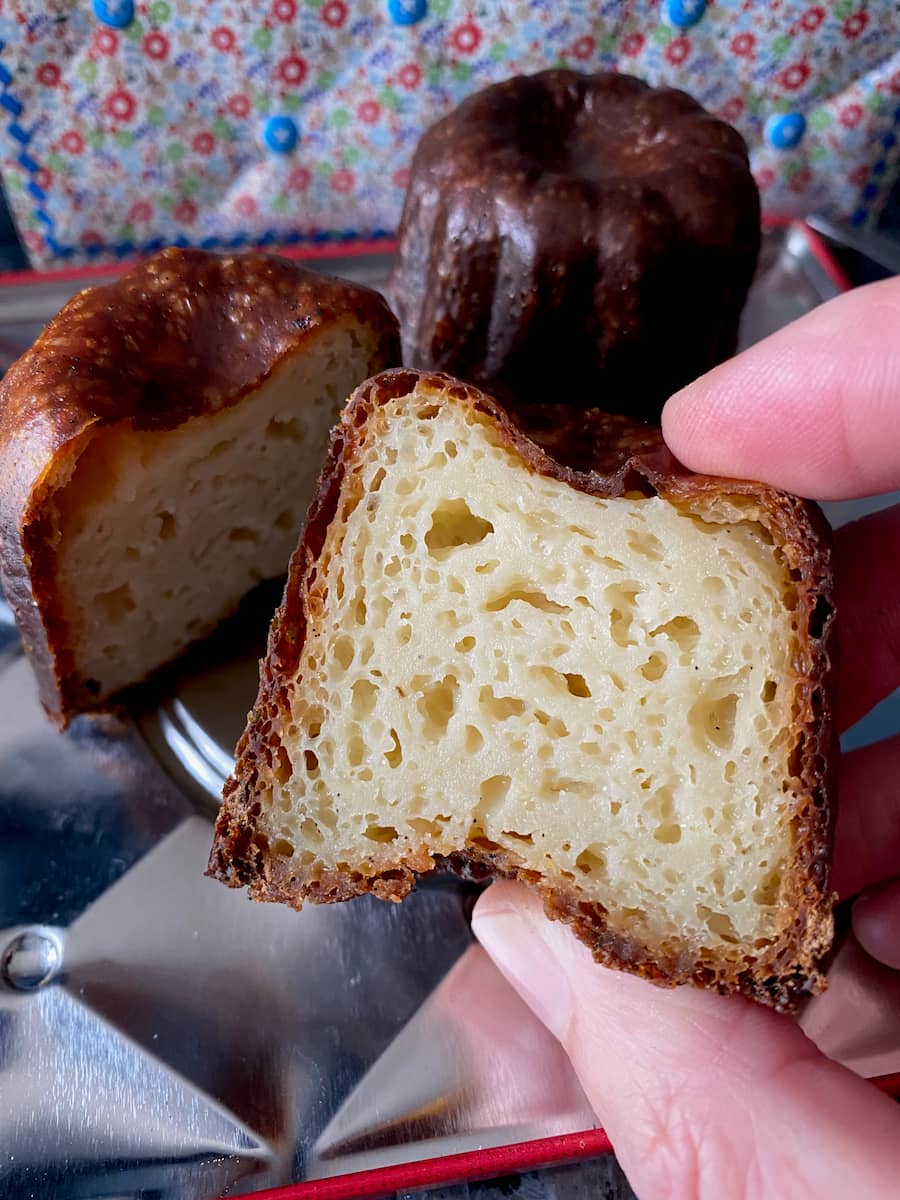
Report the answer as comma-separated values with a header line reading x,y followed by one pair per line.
x,y
128,124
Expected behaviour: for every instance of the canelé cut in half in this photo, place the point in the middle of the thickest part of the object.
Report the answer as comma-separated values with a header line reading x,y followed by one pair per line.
x,y
159,447
550,654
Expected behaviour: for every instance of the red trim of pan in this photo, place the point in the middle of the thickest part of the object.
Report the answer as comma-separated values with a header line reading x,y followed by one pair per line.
x,y
818,248
452,1168
471,1166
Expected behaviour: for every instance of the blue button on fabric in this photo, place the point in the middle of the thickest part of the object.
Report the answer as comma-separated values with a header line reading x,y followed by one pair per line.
x,y
407,12
685,13
280,134
117,13
785,130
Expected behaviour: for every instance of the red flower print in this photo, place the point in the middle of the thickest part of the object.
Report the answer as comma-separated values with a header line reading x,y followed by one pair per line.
x,y
106,42
299,179
764,177
401,177
368,111
185,212
466,38
859,176
801,180
744,45
678,50
156,45
732,108
794,76
894,83
284,10
633,45
334,13
48,74
203,142
851,115
33,240
292,70
812,19
239,106
141,210
120,105
91,237
222,38
409,76
43,178
342,181
583,47
856,23
72,141
245,206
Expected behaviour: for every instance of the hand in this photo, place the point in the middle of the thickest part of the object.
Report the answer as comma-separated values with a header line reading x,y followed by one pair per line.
x,y
709,1096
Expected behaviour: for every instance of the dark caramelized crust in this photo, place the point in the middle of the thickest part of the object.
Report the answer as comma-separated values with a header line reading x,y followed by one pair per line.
x,y
604,456
580,236
184,334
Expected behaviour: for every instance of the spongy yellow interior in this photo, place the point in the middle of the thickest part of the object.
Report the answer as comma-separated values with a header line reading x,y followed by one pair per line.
x,y
600,687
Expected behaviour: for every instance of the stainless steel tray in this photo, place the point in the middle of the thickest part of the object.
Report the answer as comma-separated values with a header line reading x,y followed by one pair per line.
x,y
159,1036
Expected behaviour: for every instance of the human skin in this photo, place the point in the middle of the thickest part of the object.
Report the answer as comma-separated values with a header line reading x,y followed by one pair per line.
x,y
705,1096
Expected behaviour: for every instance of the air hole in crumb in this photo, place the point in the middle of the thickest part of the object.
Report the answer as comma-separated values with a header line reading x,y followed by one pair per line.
x,y
168,526
621,598
591,861
770,687
283,848
464,645
380,833
116,604
718,923
289,430
535,599
474,740
437,705
362,704
683,631
394,756
654,668
492,793
520,837
241,533
577,685
343,651
453,524
499,708
712,719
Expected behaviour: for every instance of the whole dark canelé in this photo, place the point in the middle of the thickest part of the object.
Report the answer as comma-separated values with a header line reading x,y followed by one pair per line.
x,y
579,234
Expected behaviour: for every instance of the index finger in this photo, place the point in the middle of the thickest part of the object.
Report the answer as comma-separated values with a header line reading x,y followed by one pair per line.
x,y
813,409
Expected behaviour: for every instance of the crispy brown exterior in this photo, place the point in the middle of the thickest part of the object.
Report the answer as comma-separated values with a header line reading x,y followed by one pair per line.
x,y
580,236
604,456
184,334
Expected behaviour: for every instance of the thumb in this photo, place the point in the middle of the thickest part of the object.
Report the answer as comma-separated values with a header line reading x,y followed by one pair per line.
x,y
701,1095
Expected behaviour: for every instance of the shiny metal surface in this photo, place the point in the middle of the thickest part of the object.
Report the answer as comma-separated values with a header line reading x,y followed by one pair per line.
x,y
161,1036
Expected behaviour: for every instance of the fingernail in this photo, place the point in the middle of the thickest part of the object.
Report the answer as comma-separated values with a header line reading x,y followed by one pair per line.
x,y
521,951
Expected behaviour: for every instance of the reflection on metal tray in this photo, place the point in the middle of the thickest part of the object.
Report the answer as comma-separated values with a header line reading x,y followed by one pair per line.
x,y
161,1036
